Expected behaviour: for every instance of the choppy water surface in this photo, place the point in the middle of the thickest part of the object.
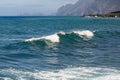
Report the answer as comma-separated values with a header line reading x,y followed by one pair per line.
x,y
59,48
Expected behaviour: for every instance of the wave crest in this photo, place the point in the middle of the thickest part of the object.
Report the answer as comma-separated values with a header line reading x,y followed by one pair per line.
x,y
85,34
55,38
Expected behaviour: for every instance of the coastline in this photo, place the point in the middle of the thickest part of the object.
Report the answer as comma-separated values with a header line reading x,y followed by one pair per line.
x,y
110,14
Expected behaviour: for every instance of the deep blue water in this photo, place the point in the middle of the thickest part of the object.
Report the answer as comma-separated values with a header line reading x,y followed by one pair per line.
x,y
59,48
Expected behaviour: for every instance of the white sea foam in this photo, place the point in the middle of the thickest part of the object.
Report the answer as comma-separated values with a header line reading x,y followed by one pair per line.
x,y
62,33
85,34
5,78
79,73
32,39
53,38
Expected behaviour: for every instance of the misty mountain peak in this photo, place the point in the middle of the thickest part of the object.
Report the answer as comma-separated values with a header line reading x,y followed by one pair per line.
x,y
85,7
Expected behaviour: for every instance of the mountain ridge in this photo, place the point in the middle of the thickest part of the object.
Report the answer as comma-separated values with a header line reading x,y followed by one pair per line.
x,y
86,7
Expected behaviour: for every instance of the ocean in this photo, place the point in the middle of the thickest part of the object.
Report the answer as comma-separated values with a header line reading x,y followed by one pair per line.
x,y
59,48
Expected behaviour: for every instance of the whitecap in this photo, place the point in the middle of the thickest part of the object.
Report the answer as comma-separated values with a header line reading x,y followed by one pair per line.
x,y
53,38
85,34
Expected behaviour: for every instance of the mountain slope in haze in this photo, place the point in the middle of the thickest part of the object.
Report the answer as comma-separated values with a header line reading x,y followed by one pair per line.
x,y
86,7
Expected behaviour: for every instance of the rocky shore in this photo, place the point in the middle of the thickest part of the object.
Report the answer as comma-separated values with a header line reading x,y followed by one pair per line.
x,y
111,14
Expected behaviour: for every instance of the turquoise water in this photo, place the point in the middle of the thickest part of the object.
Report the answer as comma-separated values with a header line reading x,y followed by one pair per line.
x,y
59,48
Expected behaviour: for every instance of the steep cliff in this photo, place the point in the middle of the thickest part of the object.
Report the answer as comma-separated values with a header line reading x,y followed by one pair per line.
x,y
86,7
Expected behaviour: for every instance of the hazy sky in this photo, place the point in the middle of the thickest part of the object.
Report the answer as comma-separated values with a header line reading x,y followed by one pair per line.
x,y
31,7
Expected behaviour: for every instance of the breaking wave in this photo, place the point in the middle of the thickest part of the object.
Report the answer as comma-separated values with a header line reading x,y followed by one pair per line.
x,y
55,38
83,38
79,73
